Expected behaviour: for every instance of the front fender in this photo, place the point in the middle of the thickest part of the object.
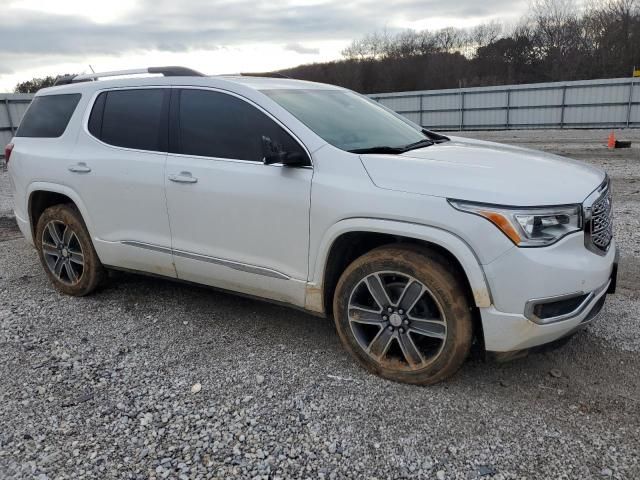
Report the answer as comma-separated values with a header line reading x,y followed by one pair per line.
x,y
447,240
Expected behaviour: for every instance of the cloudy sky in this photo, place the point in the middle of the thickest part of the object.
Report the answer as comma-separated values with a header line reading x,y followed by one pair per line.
x,y
49,37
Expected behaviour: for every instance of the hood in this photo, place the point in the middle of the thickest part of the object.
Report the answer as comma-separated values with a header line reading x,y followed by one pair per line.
x,y
486,172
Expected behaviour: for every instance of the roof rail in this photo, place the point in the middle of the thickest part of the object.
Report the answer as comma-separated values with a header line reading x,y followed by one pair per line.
x,y
166,71
265,75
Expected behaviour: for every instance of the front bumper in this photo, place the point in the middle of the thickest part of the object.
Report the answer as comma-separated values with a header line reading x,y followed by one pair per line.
x,y
524,276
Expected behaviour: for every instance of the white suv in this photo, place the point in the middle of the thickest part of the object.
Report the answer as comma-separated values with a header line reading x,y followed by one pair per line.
x,y
314,196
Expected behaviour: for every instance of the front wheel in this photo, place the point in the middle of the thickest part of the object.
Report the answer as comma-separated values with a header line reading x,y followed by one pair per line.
x,y
403,314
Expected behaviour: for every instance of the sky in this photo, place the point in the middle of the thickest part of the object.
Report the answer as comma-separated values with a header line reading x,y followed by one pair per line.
x,y
51,37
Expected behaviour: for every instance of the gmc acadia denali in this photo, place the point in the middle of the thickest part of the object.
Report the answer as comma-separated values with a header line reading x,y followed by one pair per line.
x,y
417,244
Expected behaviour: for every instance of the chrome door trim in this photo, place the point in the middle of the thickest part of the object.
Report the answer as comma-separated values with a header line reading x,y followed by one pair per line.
x,y
147,246
243,267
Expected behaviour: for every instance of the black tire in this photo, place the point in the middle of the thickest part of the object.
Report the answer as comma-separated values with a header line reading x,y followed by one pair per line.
x,y
62,241
443,341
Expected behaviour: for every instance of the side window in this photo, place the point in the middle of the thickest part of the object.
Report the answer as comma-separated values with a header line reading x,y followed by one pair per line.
x,y
48,116
132,118
213,124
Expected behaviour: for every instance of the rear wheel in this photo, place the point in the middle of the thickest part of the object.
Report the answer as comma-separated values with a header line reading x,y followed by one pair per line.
x,y
403,314
66,251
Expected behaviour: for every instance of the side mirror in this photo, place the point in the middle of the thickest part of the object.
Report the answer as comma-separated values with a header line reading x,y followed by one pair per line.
x,y
274,153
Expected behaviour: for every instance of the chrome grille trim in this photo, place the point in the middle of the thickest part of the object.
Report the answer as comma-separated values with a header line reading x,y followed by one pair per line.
x,y
598,216
601,221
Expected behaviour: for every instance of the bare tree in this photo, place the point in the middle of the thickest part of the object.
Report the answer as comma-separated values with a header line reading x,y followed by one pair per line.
x,y
485,34
450,39
556,40
613,31
374,45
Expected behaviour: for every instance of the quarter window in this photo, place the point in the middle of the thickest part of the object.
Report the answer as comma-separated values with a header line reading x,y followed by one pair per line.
x,y
214,124
131,118
48,116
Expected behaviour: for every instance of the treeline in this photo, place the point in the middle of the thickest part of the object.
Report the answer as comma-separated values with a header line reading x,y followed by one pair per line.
x,y
35,84
555,41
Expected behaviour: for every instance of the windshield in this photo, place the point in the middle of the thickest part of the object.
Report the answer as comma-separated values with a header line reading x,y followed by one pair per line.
x,y
346,120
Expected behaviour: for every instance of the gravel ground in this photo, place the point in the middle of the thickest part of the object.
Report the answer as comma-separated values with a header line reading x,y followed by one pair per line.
x,y
103,387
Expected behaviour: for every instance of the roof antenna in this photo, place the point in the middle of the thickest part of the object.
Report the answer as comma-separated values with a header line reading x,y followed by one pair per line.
x,y
92,70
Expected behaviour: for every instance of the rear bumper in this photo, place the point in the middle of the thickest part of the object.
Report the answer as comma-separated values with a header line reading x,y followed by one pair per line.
x,y
515,328
25,228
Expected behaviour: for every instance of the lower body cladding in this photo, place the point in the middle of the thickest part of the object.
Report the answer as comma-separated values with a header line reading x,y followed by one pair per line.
x,y
541,295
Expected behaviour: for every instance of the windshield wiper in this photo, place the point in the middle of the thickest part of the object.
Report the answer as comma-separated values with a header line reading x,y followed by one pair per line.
x,y
379,149
419,144
425,142
435,137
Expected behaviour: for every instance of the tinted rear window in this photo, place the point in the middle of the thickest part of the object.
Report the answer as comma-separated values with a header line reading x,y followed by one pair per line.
x,y
131,118
48,116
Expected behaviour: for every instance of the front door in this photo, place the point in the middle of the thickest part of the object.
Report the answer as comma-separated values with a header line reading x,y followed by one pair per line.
x,y
236,223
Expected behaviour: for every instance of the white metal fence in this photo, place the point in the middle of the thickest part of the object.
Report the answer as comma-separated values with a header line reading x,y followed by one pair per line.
x,y
612,103
12,108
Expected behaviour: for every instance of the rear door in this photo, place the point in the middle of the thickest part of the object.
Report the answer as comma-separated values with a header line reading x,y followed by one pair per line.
x,y
236,223
119,171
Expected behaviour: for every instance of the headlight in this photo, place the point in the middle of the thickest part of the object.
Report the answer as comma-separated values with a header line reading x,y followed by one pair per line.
x,y
528,227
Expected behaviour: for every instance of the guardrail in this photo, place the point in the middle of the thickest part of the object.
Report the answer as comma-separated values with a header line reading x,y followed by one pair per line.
x,y
613,103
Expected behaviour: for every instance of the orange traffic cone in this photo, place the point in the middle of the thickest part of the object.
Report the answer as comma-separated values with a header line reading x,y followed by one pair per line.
x,y
612,140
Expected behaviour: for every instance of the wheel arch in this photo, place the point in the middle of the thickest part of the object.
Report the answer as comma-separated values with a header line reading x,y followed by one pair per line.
x,y
42,195
349,239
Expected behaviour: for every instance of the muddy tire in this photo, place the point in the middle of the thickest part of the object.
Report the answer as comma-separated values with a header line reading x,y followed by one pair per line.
x,y
402,312
66,251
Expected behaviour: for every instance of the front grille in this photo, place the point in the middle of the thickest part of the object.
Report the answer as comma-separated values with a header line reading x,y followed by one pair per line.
x,y
599,229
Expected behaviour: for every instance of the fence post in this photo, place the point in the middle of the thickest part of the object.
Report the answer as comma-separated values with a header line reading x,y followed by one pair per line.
x,y
421,110
508,108
630,103
564,97
461,109
6,105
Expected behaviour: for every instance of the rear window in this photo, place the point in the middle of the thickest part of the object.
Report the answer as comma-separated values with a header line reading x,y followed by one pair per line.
x,y
48,116
131,118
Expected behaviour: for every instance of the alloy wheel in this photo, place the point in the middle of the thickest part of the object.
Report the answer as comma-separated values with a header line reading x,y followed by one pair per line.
x,y
62,252
397,321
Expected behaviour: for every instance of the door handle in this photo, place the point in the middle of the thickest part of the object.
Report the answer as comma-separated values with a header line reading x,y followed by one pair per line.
x,y
183,177
79,167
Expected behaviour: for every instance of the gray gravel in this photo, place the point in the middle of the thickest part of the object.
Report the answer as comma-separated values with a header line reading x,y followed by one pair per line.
x,y
101,387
